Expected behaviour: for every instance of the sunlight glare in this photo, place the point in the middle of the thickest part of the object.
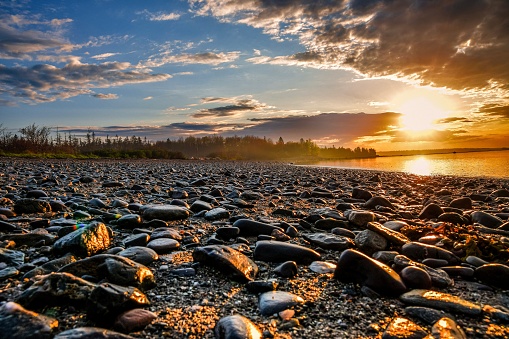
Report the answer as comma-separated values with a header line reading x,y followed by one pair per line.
x,y
419,166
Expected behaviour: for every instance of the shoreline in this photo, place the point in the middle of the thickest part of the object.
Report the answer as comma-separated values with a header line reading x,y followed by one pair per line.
x,y
305,204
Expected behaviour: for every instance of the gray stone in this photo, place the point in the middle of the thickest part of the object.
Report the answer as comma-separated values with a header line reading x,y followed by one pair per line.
x,y
288,269
391,236
442,301
361,218
416,277
217,213
277,301
248,227
370,242
164,212
139,254
199,206
426,314
276,251
12,257
236,327
163,245
91,333
373,202
322,267
329,241
17,322
439,278
419,251
129,221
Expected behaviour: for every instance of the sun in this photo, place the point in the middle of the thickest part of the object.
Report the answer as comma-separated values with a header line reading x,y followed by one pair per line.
x,y
421,112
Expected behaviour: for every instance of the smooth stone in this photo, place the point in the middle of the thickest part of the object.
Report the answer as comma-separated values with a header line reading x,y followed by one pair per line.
x,y
56,289
343,232
91,333
183,272
116,269
370,242
32,239
163,245
395,225
51,266
276,251
475,261
439,277
227,260
85,241
227,233
7,227
322,267
387,257
431,211
260,286
373,202
391,236
415,277
18,322
164,212
501,193
29,205
354,266
139,254
426,314
361,218
496,275
129,221
435,263
277,301
459,271
329,223
96,202
419,251
236,327
8,272
447,328
217,213
441,300
140,239
498,313
402,328
12,257
287,269
464,203
486,219
251,195
359,193
134,320
166,232
329,241
248,227
198,206
291,231
453,218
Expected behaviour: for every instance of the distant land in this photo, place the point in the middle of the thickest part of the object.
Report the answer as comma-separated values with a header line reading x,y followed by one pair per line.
x,y
438,151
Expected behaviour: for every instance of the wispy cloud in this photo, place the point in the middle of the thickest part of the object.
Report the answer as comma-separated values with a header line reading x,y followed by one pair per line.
x,y
104,56
206,58
109,96
159,16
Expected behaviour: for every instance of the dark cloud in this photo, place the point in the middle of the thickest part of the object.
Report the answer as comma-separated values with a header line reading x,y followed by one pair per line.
x,y
103,96
43,83
239,106
453,119
460,44
495,110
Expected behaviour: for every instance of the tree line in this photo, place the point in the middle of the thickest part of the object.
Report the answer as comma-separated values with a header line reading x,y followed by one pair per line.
x,y
36,140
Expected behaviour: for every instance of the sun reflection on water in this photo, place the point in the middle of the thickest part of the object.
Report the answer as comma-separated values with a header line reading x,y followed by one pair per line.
x,y
420,166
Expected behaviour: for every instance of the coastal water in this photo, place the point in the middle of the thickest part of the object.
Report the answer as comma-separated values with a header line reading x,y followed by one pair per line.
x,y
493,164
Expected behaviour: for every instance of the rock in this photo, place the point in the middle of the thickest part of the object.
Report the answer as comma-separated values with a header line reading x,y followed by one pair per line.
x,y
354,266
464,203
426,314
431,211
287,269
329,241
391,236
248,227
7,227
91,333
140,239
459,271
277,301
29,205
12,257
56,289
116,269
129,221
199,206
446,328
134,320
387,257
17,322
164,212
108,300
166,232
402,328
373,202
486,219
276,251
236,327
322,267
329,223
51,266
453,218
217,213
227,233
415,277
502,192
370,242
139,254
163,245
359,193
260,286
8,272
32,239
85,241
361,218
439,278
227,260
496,275
419,251
475,261
440,300
435,263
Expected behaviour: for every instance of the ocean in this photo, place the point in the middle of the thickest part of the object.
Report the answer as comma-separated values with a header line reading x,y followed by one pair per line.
x,y
493,164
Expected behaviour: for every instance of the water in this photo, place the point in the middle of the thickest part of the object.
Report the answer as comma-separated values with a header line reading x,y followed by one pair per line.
x,y
493,164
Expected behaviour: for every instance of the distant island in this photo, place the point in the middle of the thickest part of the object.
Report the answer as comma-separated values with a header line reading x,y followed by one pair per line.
x,y
438,151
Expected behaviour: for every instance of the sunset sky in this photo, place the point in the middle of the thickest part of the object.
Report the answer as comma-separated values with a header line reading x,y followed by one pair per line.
x,y
392,75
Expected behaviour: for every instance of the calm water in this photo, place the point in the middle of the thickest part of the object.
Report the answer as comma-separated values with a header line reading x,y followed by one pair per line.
x,y
474,164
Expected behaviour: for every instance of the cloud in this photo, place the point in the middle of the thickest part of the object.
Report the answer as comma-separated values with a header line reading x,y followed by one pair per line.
x,y
148,98
459,44
207,58
109,96
159,16
43,83
238,105
103,56
496,110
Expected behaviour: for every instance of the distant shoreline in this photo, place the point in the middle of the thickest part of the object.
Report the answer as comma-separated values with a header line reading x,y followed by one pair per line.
x,y
438,151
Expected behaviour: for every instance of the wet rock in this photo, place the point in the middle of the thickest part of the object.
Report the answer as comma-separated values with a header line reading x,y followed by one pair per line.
x,y
361,218
166,232
29,205
116,269
199,206
36,238
51,266
217,213
426,314
163,245
248,227
419,251
276,251
260,286
134,320
387,257
453,218
277,301
108,300
496,275
464,203
431,211
439,278
359,193
227,233
227,260
402,328
370,242
164,212
440,300
17,322
8,272
236,327
329,223
12,257
391,236
475,261
56,289
415,277
140,239
379,201
129,221
447,328
139,254
329,241
85,241
486,219
354,266
287,269
322,267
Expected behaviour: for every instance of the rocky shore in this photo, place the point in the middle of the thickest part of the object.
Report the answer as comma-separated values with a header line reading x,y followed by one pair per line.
x,y
204,249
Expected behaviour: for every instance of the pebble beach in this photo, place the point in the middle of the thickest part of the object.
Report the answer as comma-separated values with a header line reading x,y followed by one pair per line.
x,y
219,249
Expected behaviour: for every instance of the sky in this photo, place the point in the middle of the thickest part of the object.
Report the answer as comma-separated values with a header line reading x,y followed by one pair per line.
x,y
383,74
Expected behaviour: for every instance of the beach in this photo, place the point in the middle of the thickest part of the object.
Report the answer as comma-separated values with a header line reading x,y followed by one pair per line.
x,y
204,249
